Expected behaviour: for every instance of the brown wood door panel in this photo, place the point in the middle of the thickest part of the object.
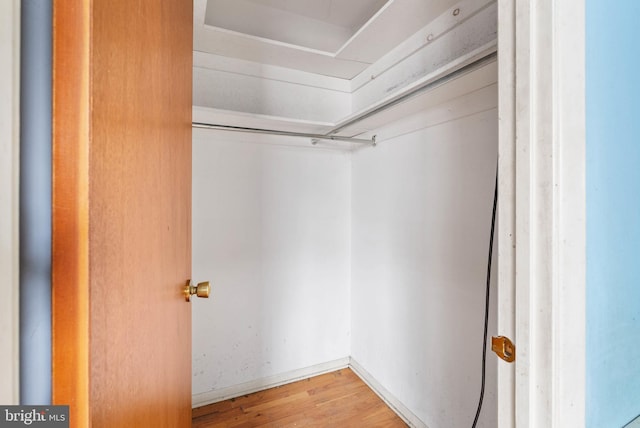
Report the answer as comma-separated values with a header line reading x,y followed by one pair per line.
x,y
122,211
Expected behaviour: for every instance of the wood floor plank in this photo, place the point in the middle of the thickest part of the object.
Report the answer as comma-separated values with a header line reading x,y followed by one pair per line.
x,y
336,399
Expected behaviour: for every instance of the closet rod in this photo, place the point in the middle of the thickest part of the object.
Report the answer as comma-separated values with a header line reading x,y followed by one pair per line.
x,y
472,66
329,136
314,137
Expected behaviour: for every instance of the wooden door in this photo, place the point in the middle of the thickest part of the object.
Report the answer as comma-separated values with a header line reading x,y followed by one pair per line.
x,y
122,211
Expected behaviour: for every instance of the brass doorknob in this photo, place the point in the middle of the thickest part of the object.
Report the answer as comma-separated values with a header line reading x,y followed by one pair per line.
x,y
201,290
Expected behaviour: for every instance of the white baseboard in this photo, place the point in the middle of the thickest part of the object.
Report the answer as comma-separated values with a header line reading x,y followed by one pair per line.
x,y
401,410
210,397
234,391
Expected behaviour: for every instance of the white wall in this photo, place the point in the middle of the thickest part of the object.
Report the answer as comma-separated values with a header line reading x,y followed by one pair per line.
x,y
271,233
9,143
421,212
379,254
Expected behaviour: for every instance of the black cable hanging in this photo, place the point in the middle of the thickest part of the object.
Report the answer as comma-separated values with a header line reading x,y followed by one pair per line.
x,y
486,305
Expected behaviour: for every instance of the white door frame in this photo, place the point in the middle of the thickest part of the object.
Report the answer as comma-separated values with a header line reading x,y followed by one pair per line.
x,y
541,268
542,212
9,174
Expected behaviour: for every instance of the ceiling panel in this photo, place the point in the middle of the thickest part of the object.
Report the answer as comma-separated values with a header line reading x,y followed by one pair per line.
x,y
351,14
255,19
338,38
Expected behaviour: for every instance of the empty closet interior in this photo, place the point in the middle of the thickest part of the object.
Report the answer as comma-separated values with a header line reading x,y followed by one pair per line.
x,y
328,252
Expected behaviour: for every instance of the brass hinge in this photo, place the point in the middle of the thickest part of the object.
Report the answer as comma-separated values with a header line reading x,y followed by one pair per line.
x,y
504,348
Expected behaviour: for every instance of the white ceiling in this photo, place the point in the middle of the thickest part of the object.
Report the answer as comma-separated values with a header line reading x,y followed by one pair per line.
x,y
338,38
324,25
350,14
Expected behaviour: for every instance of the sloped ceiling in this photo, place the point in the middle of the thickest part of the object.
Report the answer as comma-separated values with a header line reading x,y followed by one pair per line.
x,y
337,38
321,25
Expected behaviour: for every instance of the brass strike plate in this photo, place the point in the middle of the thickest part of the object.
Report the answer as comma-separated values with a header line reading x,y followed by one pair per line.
x,y
504,348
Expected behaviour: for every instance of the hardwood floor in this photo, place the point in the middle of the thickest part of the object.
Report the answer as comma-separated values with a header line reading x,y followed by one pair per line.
x,y
337,399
